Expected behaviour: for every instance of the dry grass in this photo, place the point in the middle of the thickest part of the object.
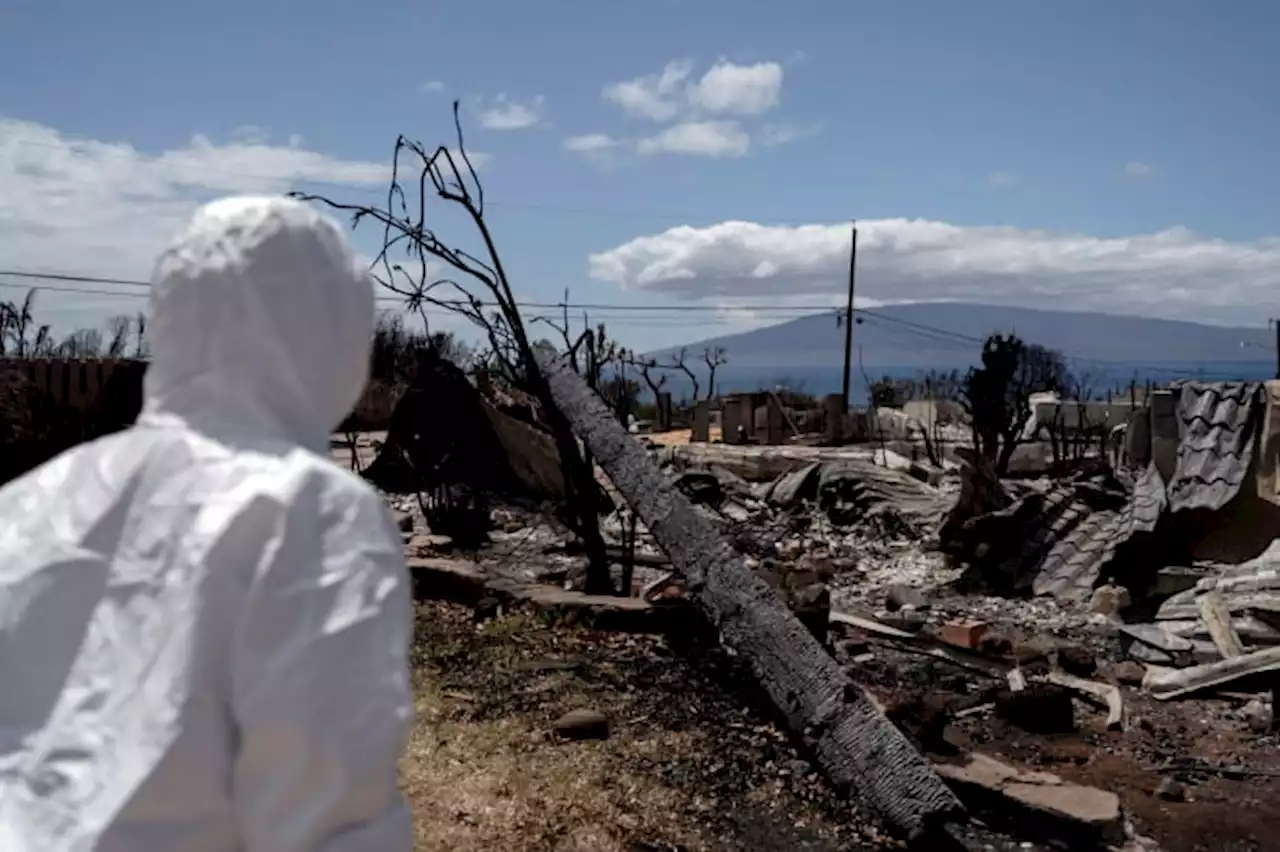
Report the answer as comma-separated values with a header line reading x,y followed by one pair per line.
x,y
686,767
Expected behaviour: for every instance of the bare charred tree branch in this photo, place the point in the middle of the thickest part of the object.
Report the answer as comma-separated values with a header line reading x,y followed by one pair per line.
x,y
714,357
450,175
679,361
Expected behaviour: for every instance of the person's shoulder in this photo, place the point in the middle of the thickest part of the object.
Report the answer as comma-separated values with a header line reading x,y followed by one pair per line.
x,y
335,477
341,491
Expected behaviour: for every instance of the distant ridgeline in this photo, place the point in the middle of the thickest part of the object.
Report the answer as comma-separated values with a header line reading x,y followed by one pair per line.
x,y
817,381
904,341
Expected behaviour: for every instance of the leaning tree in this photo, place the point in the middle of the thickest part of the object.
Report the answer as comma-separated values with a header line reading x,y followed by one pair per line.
x,y
477,287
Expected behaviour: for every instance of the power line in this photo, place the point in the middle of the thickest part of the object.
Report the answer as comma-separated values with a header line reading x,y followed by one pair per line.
x,y
618,314
605,306
432,311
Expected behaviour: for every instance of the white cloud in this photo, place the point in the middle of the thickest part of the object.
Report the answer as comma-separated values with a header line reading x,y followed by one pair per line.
x,y
724,89
781,134
1003,179
697,110
506,114
655,96
701,138
732,89
432,86
590,142
1139,171
1172,273
600,148
105,209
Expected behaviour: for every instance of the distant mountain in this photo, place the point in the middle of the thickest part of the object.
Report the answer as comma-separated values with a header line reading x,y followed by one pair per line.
x,y
902,340
949,335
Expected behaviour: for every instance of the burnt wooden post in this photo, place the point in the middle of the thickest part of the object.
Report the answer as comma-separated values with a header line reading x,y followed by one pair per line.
x,y
861,752
701,422
664,411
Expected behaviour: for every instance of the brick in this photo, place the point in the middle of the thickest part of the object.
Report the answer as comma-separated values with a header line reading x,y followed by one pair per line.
x,y
965,633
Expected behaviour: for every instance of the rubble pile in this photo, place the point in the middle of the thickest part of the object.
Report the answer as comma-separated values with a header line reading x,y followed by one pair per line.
x,y
1043,621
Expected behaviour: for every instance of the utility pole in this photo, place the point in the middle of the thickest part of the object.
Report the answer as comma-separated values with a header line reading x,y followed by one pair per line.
x,y
848,320
1275,323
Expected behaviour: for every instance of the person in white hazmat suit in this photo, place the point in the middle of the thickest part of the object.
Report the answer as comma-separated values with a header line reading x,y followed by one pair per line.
x,y
204,623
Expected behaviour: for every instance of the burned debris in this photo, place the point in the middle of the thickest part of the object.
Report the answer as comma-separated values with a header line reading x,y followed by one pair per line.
x,y
1082,607
936,627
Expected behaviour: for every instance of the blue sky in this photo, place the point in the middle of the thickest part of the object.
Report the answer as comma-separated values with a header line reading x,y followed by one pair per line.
x,y
1112,156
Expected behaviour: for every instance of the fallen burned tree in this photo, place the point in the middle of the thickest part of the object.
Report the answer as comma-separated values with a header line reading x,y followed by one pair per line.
x,y
859,749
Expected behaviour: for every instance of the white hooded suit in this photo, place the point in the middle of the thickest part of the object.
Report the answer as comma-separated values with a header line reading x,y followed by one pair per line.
x,y
204,623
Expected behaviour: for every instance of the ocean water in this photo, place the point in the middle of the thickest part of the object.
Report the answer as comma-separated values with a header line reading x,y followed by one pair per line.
x,y
821,380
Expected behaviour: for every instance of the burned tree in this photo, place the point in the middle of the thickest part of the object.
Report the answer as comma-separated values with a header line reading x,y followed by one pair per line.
x,y
997,395
481,292
680,361
714,357
591,351
858,748
20,335
654,375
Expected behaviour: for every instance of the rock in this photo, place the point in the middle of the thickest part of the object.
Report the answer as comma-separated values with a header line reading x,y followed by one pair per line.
x,y
903,596
926,473
1110,600
1046,803
1078,661
908,619
1129,672
583,724
1171,791
404,521
1032,652
1258,715
487,608
1041,708
963,633
812,605
430,544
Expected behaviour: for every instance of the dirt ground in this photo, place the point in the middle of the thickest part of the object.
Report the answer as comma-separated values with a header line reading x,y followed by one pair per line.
x,y
686,765
1227,810
690,765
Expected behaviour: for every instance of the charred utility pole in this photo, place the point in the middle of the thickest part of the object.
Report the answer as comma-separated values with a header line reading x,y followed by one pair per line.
x,y
1275,323
848,320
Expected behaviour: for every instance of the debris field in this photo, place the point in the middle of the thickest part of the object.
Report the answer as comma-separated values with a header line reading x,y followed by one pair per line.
x,y
1086,661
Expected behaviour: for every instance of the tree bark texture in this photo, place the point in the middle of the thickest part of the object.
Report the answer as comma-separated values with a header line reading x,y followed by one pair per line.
x,y
861,752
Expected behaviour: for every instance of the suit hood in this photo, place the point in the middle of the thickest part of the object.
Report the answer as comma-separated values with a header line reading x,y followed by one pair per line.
x,y
260,324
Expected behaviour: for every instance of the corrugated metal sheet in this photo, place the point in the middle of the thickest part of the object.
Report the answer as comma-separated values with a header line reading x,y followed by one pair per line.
x,y
1147,502
1066,535
1072,567
1217,424
1064,539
